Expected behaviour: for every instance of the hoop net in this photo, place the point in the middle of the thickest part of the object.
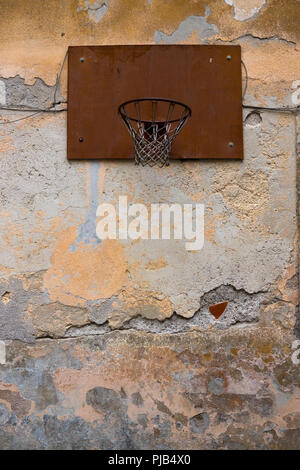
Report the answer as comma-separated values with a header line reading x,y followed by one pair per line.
x,y
153,124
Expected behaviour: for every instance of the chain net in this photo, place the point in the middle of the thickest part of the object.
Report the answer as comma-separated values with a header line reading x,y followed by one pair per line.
x,y
153,124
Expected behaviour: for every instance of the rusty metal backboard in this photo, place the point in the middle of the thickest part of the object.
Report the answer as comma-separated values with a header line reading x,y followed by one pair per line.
x,y
206,78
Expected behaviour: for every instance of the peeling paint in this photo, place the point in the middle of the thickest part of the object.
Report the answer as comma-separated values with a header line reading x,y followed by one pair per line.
x,y
86,274
2,353
246,9
96,10
191,24
2,93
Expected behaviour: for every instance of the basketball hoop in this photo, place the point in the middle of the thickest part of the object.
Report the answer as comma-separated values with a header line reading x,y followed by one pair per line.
x,y
154,123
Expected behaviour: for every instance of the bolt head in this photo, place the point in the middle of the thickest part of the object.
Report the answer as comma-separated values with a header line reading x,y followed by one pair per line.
x,y
228,57
81,59
231,144
81,139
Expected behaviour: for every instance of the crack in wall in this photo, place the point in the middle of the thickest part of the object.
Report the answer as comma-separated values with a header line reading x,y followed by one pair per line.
x,y
243,308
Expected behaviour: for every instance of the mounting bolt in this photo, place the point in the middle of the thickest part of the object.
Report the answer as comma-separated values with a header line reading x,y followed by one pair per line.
x,y
81,139
228,57
81,59
231,144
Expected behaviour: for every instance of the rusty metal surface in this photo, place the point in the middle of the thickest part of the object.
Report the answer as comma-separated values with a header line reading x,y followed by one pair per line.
x,y
218,309
206,78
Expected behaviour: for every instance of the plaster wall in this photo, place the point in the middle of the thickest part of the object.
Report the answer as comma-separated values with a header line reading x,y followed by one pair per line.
x,y
111,345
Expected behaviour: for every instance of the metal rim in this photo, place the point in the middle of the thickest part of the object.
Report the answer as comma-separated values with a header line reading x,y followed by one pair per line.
x,y
125,116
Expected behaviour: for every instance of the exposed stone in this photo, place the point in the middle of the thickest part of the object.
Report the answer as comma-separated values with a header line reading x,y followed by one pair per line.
x,y
54,319
137,399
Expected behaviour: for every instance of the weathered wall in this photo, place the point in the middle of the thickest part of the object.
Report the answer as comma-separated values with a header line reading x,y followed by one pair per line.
x,y
111,344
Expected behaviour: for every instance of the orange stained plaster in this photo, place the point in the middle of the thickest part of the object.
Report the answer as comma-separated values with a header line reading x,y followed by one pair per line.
x,y
87,273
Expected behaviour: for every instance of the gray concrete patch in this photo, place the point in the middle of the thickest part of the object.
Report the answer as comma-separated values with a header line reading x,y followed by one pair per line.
x,y
189,25
19,94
